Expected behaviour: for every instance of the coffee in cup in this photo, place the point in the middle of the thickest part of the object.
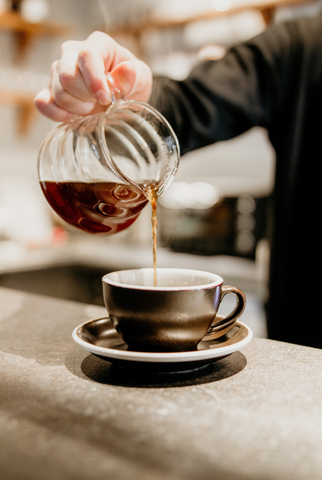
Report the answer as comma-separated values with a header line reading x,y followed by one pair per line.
x,y
174,315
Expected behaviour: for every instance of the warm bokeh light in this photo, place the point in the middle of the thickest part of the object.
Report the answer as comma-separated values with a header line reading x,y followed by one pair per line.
x,y
196,195
221,5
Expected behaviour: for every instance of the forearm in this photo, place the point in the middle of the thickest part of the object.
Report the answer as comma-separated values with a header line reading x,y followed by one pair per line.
x,y
222,99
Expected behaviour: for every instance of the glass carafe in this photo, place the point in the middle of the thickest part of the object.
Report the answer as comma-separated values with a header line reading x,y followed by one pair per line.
x,y
98,172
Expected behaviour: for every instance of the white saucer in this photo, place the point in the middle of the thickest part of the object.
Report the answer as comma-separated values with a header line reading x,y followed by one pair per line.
x,y
99,337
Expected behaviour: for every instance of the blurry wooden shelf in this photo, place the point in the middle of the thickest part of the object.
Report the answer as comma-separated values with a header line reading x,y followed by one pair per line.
x,y
164,22
24,101
26,32
265,7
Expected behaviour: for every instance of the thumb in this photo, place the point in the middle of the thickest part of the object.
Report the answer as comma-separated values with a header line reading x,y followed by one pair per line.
x,y
125,74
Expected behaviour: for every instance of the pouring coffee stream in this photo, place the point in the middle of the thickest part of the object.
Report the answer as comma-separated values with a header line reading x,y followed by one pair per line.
x,y
152,197
98,172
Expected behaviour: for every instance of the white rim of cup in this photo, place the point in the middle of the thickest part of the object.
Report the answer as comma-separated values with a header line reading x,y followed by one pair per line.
x,y
216,279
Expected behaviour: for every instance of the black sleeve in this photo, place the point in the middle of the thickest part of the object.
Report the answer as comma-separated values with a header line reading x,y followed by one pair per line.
x,y
224,98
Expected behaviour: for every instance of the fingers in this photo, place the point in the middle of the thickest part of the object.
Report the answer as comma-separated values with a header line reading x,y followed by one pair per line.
x,y
125,74
66,73
46,105
94,60
100,54
135,78
78,84
143,82
69,92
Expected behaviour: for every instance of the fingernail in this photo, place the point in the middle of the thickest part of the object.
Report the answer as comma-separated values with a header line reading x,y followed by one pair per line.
x,y
103,97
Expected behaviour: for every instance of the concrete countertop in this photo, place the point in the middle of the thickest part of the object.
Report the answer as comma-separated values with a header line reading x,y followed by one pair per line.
x,y
66,414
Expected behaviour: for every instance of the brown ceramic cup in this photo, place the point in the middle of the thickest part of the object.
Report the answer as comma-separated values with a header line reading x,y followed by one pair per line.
x,y
173,316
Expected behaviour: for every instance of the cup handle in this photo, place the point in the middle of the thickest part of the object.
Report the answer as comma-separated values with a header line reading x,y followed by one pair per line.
x,y
115,88
232,317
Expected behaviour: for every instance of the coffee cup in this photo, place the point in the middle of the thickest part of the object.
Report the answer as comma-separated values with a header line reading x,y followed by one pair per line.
x,y
173,315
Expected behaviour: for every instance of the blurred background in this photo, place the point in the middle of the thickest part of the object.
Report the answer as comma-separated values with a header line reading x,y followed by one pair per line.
x,y
216,214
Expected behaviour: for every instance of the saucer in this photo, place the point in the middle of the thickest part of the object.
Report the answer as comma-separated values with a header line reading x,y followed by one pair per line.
x,y
99,337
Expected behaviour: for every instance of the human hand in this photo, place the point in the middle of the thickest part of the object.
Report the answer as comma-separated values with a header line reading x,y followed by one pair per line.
x,y
78,84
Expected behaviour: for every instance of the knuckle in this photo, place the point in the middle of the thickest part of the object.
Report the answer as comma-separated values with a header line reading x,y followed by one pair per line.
x,y
66,80
97,35
68,45
60,98
54,67
84,54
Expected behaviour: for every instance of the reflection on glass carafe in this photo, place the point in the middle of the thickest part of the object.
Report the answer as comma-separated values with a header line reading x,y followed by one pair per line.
x,y
98,172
